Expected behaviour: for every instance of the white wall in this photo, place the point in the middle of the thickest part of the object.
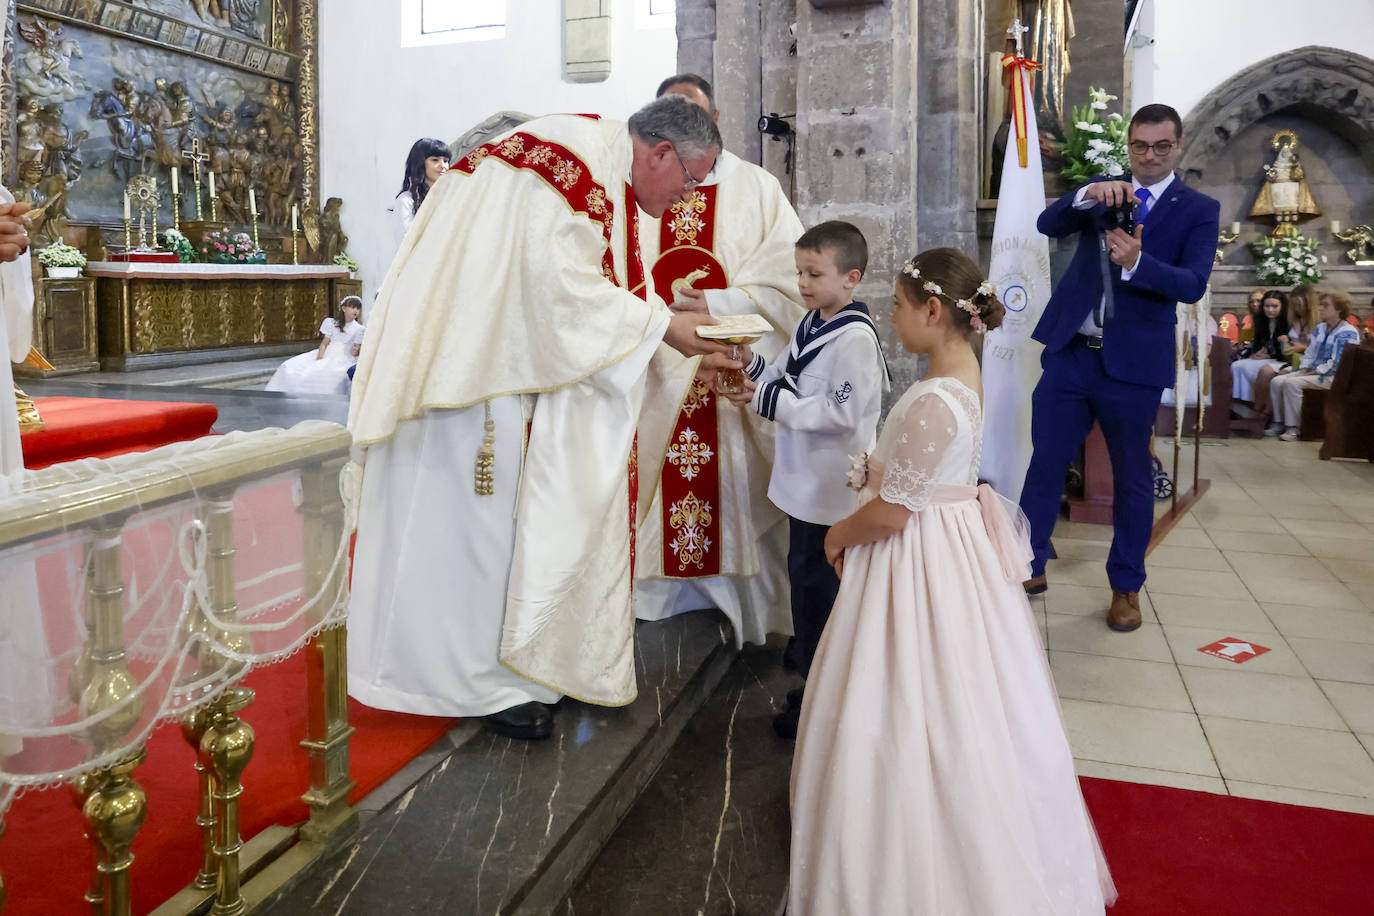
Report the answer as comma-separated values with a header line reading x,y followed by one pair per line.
x,y
1199,44
377,98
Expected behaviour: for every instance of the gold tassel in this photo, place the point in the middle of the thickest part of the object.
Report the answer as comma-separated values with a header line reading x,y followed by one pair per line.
x,y
484,478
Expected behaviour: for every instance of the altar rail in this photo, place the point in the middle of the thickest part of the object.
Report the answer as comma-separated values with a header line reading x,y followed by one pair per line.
x,y
106,713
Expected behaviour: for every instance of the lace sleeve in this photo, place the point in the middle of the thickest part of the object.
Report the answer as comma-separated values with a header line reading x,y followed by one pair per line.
x,y
928,428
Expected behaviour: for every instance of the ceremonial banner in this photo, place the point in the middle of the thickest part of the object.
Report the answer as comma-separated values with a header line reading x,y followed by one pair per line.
x,y
1020,268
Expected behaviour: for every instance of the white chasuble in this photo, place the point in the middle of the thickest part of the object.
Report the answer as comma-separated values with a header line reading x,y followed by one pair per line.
x,y
708,536
511,286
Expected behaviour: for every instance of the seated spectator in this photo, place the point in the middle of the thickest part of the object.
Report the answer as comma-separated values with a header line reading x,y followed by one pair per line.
x,y
1264,349
1301,320
1318,366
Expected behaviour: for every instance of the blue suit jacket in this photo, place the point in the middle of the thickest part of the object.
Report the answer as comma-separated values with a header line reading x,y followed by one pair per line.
x,y
1177,251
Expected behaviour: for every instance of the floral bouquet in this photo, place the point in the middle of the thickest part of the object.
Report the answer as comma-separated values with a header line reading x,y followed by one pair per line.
x,y
344,259
1095,146
1288,261
223,247
59,254
179,245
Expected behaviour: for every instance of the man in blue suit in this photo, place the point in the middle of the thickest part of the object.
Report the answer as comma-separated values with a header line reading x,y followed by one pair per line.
x,y
1110,358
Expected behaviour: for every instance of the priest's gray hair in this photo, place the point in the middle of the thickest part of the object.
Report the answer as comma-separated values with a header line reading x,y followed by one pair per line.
x,y
684,124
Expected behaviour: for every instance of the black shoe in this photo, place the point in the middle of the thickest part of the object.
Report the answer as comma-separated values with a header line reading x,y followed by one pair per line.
x,y
526,721
794,697
789,656
786,723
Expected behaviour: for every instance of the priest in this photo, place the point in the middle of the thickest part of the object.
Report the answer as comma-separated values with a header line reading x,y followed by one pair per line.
x,y
708,535
494,410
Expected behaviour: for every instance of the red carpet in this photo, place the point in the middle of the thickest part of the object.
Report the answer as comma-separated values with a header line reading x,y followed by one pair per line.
x,y
1178,852
45,861
101,427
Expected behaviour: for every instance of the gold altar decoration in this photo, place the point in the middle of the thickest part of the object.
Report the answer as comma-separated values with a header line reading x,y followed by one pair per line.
x,y
1362,237
1225,238
1285,196
131,673
141,192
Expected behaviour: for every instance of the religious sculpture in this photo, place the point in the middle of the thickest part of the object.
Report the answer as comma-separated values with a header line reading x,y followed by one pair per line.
x,y
332,238
1362,240
45,71
1285,196
1051,31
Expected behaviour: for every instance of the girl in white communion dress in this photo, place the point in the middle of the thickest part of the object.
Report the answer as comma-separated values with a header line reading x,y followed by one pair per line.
x,y
932,772
325,371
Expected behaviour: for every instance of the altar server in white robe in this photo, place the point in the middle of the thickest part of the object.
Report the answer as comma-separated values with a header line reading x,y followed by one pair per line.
x,y
734,242
25,688
508,323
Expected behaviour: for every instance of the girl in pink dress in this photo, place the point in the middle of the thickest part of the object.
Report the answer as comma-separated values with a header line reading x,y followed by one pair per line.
x,y
932,772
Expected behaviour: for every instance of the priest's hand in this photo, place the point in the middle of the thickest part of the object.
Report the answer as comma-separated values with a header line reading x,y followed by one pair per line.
x,y
689,300
682,337
14,236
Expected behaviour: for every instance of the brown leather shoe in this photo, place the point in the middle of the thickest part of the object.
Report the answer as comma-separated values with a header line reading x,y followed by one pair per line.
x,y
1124,614
1036,585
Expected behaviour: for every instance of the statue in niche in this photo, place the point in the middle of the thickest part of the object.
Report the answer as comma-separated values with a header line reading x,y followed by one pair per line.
x,y
1285,196
1051,30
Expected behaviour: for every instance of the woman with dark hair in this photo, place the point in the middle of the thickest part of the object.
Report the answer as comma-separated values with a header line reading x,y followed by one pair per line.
x,y
428,159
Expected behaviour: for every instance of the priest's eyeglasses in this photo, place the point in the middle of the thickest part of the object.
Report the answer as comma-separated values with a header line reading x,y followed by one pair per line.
x,y
689,183
1162,148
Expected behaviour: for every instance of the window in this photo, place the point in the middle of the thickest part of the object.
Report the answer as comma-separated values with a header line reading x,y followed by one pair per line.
x,y
433,22
455,15
662,7
655,14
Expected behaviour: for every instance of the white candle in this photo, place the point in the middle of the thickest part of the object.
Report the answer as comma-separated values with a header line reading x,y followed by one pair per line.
x,y
212,183
293,219
253,202
175,189
1235,228
126,205
1335,226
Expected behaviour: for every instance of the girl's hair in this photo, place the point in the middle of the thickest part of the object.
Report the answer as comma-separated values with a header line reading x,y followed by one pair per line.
x,y
1340,299
1277,294
1262,336
339,318
1263,294
952,275
414,181
1301,307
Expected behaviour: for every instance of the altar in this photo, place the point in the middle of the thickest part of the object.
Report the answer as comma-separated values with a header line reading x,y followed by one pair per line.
x,y
157,315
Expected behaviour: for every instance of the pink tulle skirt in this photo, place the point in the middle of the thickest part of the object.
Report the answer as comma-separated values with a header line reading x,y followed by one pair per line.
x,y
932,771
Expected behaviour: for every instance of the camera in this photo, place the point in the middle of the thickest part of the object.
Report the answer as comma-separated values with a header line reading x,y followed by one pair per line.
x,y
1122,216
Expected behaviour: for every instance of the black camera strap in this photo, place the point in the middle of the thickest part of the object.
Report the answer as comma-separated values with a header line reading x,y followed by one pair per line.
x,y
1107,304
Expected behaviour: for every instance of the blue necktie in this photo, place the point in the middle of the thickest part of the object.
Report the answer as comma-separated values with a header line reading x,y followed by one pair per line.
x,y
1143,195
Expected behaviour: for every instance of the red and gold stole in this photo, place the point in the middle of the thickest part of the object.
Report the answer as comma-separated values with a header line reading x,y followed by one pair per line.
x,y
568,176
690,479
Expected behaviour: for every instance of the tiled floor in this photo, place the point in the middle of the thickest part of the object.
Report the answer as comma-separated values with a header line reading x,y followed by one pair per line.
x,y
1279,553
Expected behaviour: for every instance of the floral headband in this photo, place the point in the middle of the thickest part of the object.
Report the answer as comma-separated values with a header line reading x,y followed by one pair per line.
x,y
985,288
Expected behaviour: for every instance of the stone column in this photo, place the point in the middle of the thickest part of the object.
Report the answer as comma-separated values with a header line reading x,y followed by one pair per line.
x,y
738,75
856,156
949,60
696,37
778,82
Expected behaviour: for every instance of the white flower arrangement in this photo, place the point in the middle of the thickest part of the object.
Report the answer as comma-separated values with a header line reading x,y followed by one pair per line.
x,y
1288,261
1095,146
61,255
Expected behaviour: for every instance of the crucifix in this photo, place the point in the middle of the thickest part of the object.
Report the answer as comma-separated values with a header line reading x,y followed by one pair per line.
x,y
197,157
1016,30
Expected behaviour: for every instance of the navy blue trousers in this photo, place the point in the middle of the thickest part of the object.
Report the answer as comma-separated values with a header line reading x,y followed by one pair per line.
x,y
814,586
1074,390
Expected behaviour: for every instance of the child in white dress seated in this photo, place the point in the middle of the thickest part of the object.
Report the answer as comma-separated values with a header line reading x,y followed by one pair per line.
x,y
325,371
932,772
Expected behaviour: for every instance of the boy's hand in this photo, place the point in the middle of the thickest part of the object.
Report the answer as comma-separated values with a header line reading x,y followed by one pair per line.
x,y
742,398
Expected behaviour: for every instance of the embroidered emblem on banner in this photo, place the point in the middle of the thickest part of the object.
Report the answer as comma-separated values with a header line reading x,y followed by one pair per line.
x,y
690,519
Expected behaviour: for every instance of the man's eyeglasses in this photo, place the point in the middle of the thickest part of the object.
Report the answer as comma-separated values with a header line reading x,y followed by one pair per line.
x,y
1162,148
689,182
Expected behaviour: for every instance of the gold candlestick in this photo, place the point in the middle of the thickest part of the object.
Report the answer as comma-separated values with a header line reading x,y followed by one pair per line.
x,y
176,212
128,234
198,213
213,213
295,234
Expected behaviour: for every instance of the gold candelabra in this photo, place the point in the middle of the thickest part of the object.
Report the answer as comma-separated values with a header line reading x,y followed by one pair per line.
x,y
1362,237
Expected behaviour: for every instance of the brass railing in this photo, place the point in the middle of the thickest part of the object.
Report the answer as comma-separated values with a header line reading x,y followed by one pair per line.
x,y
63,500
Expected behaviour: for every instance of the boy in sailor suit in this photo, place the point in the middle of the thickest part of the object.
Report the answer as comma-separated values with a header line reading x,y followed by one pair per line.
x,y
825,396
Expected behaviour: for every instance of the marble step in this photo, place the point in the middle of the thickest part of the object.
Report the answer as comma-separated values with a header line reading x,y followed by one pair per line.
x,y
483,824
709,835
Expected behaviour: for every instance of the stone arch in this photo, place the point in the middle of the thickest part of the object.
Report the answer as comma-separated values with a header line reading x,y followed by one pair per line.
x,y
1327,85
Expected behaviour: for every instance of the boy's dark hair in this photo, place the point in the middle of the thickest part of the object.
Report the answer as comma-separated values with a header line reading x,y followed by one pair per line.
x,y
844,241
1156,114
691,79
